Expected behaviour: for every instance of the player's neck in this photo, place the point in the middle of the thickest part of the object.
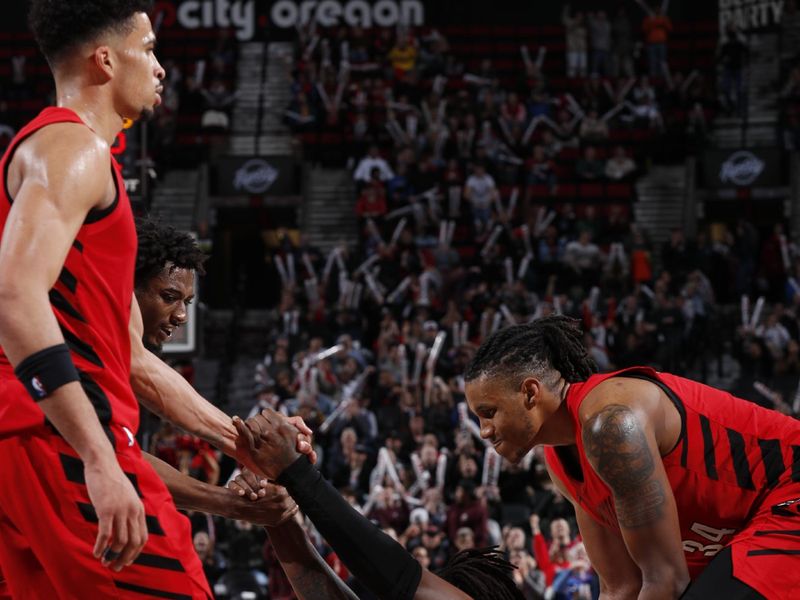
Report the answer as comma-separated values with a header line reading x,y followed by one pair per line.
x,y
92,105
559,428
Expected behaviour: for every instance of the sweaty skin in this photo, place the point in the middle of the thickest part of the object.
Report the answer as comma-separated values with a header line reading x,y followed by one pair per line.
x,y
626,426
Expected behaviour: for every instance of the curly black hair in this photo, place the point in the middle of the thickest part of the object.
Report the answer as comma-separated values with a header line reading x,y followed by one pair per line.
x,y
160,245
482,573
60,25
550,347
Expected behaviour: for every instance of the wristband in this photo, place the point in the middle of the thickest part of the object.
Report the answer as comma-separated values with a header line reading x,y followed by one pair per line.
x,y
43,372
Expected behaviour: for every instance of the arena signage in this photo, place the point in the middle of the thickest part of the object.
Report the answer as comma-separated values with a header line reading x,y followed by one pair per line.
x,y
254,176
750,15
752,167
211,14
329,13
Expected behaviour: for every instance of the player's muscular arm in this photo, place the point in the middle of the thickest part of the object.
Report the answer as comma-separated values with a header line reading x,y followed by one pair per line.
x,y
56,177
620,578
166,393
622,449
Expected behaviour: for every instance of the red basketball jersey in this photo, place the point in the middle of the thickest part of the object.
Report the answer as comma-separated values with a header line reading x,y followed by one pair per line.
x,y
91,301
731,454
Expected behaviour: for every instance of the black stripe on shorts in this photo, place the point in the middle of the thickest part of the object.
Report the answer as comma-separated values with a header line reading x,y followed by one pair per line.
x,y
90,515
132,587
73,469
159,562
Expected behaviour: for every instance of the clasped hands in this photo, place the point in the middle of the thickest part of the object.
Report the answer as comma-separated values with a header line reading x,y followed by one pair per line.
x,y
266,445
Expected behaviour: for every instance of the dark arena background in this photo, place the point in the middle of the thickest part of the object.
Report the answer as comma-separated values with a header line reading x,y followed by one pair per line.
x,y
380,185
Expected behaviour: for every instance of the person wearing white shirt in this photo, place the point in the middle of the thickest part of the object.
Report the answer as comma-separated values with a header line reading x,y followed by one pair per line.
x,y
373,160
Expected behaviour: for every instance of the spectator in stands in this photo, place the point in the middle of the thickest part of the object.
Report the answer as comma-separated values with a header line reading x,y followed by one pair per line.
x,y
219,102
622,43
620,166
481,192
403,56
600,40
373,160
575,30
584,260
541,170
732,56
467,512
589,167
529,578
372,200
593,129
656,27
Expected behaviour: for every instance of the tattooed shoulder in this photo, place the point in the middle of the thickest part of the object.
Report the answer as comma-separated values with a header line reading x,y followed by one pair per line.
x,y
617,448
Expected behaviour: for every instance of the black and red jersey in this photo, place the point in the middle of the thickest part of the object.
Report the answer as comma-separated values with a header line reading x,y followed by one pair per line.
x,y
91,301
730,456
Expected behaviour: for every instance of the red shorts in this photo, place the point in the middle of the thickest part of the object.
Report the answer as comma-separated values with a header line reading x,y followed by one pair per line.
x,y
48,528
766,553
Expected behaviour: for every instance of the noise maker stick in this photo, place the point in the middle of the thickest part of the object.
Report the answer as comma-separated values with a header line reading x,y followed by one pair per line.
x,y
312,292
526,239
484,325
441,468
358,290
757,312
291,270
326,273
398,230
491,241
451,229
399,290
557,304
464,332
507,314
326,424
508,263
323,354
787,265
419,472
745,304
512,203
281,269
390,469
363,267
496,321
403,358
340,262
523,266
309,267
419,357
373,288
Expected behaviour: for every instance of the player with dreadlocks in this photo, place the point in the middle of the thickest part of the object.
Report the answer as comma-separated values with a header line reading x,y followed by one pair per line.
x,y
678,488
378,561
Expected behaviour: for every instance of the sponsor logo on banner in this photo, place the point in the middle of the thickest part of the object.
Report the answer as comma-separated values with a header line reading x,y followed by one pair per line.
x,y
741,168
749,15
213,14
255,176
329,13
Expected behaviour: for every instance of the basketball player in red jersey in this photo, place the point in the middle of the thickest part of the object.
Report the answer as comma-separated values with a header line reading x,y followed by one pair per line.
x,y
678,488
67,411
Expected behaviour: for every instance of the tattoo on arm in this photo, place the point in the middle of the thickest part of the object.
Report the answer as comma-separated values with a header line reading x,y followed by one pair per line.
x,y
617,448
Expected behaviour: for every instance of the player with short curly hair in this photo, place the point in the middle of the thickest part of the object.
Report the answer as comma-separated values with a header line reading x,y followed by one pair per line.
x,y
166,264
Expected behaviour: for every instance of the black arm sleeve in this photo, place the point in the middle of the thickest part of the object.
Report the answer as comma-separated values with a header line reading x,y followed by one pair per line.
x,y
373,557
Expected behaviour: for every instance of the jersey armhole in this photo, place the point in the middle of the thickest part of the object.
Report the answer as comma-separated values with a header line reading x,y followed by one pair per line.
x,y
677,402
